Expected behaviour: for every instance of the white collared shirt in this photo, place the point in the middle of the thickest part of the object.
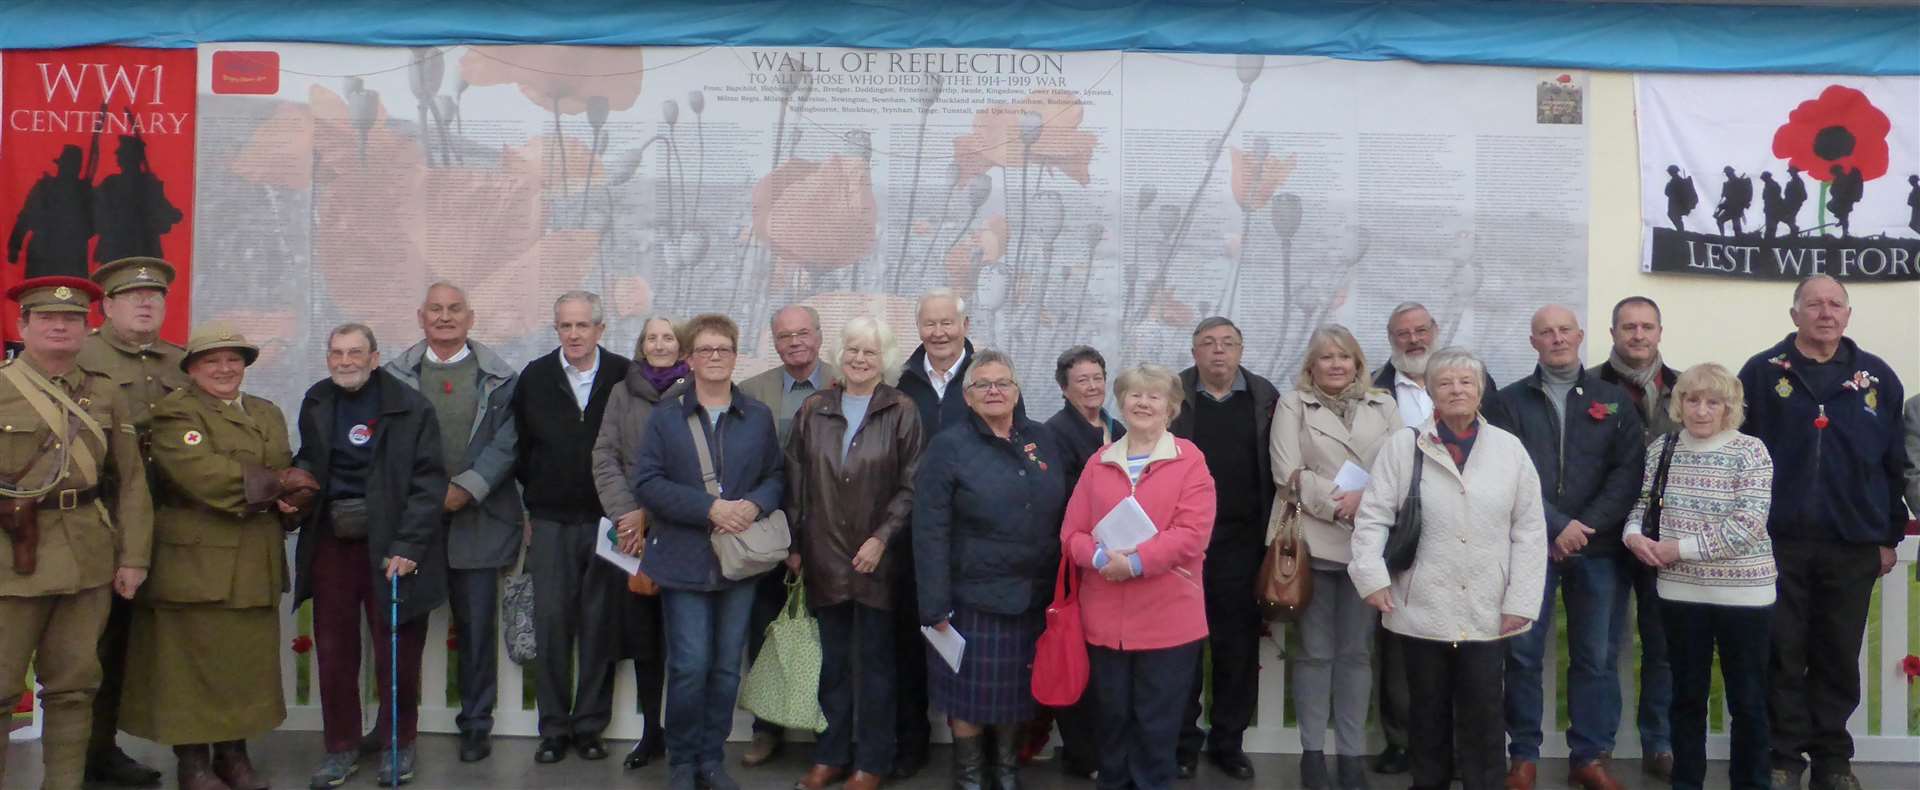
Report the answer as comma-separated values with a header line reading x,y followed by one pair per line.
x,y
1415,404
466,351
582,380
941,380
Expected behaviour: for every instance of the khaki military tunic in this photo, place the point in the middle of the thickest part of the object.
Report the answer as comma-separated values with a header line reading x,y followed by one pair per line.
x,y
145,373
207,627
53,617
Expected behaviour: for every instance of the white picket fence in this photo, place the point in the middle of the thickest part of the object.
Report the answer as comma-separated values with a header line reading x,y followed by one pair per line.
x,y
1269,735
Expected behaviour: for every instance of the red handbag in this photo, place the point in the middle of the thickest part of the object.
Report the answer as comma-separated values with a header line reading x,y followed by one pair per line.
x,y
1060,657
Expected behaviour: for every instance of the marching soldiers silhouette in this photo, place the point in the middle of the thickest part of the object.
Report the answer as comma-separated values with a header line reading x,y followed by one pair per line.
x,y
1736,195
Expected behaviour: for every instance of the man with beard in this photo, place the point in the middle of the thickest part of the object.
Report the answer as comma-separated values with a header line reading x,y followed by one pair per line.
x,y
1412,331
373,445
1635,365
128,348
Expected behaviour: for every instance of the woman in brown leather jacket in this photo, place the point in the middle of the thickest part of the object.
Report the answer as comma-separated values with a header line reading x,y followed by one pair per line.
x,y
850,464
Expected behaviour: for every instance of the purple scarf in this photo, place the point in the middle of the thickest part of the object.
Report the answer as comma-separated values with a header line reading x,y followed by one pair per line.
x,y
662,378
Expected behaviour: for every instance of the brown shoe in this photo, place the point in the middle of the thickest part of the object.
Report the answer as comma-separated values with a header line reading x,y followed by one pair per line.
x,y
861,780
765,747
196,768
1658,766
230,763
819,776
1521,775
1593,776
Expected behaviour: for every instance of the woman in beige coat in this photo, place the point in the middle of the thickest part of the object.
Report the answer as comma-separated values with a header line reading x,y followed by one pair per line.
x,y
1333,418
1478,571
659,370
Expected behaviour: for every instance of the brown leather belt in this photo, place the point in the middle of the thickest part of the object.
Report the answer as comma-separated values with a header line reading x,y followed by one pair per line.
x,y
69,499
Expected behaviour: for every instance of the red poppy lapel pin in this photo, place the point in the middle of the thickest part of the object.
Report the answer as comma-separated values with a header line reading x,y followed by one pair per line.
x,y
1601,411
1780,361
1861,380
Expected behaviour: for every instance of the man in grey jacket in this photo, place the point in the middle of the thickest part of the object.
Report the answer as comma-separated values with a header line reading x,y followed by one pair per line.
x,y
470,387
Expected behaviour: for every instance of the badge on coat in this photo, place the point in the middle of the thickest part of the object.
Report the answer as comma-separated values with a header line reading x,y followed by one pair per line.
x,y
360,434
192,438
1784,389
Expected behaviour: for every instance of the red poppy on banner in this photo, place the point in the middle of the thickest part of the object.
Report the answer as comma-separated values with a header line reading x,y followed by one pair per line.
x,y
1840,128
96,164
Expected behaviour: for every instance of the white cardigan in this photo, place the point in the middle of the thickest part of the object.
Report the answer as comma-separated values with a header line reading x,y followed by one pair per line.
x,y
1483,539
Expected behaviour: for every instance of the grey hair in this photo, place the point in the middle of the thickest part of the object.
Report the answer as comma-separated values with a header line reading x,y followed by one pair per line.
x,y
1456,357
959,304
447,284
990,357
1074,356
678,330
355,327
1407,307
1797,289
1214,322
866,327
591,299
1146,377
812,314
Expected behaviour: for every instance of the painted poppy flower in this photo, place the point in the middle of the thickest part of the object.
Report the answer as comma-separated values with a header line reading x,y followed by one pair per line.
x,y
1910,666
1840,128
302,644
818,214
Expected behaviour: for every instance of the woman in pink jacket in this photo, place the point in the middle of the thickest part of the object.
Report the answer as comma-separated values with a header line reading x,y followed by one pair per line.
x,y
1142,606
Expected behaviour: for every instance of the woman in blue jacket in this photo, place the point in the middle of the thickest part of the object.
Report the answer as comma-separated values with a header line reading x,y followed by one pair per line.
x,y
988,499
706,613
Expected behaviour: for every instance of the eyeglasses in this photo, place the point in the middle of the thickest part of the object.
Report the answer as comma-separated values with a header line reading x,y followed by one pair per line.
x,y
1409,334
713,352
1003,385
142,296
801,334
1211,344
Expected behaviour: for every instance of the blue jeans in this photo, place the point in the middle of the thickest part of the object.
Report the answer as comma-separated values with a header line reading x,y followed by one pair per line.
x,y
1591,585
1656,677
845,628
706,636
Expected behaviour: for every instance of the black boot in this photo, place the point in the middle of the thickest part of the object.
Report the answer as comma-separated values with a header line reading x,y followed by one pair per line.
x,y
196,768
1313,771
1004,764
967,759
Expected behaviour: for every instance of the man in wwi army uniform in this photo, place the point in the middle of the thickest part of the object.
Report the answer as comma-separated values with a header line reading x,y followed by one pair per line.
x,y
63,431
128,348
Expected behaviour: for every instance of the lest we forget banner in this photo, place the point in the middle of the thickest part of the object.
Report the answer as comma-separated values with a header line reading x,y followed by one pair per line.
x,y
1780,177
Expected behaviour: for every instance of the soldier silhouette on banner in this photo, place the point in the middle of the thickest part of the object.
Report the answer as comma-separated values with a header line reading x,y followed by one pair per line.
x,y
1913,200
1796,196
56,220
1736,195
130,207
1681,197
1772,204
1846,189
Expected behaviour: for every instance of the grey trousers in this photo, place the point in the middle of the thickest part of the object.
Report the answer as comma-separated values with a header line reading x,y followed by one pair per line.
x,y
474,598
573,596
1334,676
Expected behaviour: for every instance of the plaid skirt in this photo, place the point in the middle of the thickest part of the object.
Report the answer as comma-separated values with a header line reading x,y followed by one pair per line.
x,y
995,681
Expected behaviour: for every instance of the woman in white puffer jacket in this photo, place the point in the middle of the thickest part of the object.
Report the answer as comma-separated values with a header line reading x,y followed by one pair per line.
x,y
1477,576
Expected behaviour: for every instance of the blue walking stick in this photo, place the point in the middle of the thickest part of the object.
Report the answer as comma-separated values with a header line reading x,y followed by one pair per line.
x,y
393,672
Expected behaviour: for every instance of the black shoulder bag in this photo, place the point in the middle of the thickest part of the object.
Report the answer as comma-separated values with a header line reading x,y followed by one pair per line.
x,y
1656,496
1403,540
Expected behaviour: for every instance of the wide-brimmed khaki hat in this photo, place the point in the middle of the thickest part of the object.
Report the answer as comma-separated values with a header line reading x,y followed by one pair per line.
x,y
215,336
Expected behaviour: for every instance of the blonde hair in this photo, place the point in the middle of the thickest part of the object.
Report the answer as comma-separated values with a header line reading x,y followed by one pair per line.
x,y
1337,336
1149,377
1711,379
866,327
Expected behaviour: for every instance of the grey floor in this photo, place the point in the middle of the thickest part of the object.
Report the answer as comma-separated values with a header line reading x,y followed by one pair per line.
x,y
287,757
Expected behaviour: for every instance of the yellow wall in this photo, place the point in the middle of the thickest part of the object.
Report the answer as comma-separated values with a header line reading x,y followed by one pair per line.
x,y
1706,319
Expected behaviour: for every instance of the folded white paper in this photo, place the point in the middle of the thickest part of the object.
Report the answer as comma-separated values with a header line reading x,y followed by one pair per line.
x,y
949,644
606,549
1125,526
1351,478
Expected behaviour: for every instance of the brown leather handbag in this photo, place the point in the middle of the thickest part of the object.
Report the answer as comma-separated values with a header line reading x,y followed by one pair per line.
x,y
1285,583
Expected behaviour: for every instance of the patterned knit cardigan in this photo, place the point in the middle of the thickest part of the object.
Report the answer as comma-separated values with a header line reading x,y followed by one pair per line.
x,y
1718,492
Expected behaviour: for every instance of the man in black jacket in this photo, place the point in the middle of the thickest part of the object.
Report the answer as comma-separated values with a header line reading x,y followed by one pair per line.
x,y
1586,442
932,377
1635,365
1229,413
373,444
557,407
